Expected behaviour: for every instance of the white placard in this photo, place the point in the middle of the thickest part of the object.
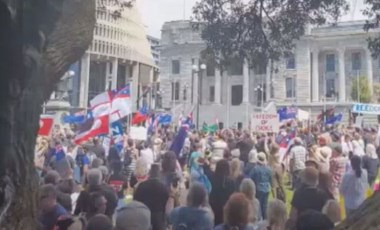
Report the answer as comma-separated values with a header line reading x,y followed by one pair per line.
x,y
265,123
138,133
373,109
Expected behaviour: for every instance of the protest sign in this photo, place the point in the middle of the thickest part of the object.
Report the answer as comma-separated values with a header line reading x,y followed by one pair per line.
x,y
138,133
265,123
373,109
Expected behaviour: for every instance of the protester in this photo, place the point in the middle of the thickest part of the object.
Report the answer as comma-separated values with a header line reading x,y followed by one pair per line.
x,y
218,148
147,153
262,176
332,211
245,146
196,215
97,204
197,173
236,213
297,161
252,161
135,215
276,217
222,188
371,163
308,196
141,172
357,149
157,202
50,209
83,162
99,222
354,186
169,168
337,169
314,220
236,173
278,169
248,188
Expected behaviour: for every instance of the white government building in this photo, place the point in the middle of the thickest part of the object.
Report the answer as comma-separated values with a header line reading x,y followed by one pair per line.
x,y
318,73
119,53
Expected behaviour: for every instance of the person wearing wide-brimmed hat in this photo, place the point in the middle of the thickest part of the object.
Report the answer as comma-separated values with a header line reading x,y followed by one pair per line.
x,y
262,176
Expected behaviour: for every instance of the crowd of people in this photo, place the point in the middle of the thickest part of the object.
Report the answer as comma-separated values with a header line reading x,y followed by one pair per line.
x,y
228,180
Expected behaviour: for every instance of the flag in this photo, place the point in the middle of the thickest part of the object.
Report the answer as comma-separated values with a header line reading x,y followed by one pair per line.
x,y
328,114
91,128
334,119
165,119
101,104
140,116
209,128
46,124
121,104
117,132
286,113
179,141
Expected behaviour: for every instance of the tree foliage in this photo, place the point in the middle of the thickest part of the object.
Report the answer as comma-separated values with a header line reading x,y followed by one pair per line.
x,y
360,89
260,30
373,13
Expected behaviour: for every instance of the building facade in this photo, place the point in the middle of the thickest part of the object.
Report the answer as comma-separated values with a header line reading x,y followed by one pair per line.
x,y
119,54
155,48
318,73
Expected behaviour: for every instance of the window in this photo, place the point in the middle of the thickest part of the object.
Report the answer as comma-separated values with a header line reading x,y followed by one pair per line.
x,y
176,67
177,87
290,61
185,94
235,67
330,62
212,94
356,61
289,84
236,94
330,88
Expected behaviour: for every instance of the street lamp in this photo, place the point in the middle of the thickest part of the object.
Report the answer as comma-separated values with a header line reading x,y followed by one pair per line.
x,y
259,89
197,70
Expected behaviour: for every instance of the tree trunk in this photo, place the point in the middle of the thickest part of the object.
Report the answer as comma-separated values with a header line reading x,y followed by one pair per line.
x,y
38,42
367,217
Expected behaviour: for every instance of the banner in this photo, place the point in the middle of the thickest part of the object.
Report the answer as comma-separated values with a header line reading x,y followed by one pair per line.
x,y
139,133
265,123
373,109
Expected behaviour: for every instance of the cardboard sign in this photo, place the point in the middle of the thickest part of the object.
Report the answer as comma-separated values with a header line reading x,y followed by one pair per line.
x,y
138,133
265,123
373,109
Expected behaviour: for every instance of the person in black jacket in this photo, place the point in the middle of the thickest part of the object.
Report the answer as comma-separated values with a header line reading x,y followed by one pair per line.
x,y
222,188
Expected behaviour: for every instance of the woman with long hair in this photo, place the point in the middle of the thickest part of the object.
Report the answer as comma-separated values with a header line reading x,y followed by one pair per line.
x,y
248,188
354,185
222,188
278,169
236,174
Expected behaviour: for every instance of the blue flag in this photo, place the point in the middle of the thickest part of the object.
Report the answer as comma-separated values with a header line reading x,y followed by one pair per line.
x,y
179,141
165,119
334,119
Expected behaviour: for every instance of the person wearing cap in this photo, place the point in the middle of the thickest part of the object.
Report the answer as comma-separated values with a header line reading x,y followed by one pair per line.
x,y
262,176
338,165
297,160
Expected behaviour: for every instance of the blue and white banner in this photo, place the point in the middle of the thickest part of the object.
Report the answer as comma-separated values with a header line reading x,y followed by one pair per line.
x,y
366,108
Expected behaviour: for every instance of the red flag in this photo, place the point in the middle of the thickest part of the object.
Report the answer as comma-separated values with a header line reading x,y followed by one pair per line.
x,y
99,126
46,124
139,117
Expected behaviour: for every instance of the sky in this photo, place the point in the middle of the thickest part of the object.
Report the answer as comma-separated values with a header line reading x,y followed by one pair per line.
x,y
155,13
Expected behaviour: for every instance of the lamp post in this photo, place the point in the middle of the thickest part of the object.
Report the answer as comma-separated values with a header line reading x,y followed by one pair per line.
x,y
199,71
259,90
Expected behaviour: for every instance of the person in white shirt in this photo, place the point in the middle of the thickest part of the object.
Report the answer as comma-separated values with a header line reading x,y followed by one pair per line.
x,y
347,145
147,154
357,149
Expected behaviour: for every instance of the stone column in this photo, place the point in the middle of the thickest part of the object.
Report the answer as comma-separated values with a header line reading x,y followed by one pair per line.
x,y
315,76
246,82
342,76
115,65
268,81
218,85
369,70
84,80
135,85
